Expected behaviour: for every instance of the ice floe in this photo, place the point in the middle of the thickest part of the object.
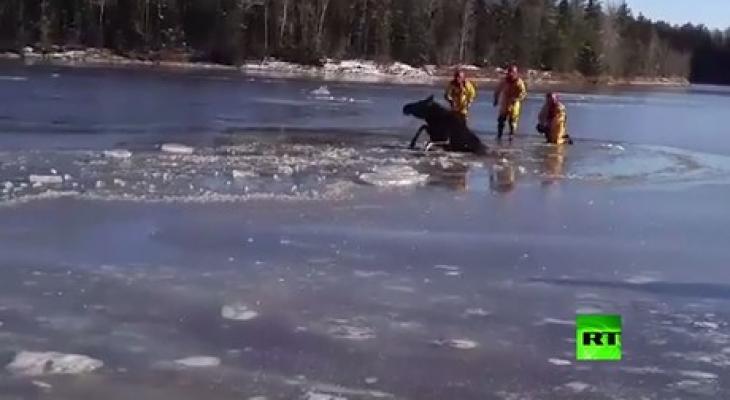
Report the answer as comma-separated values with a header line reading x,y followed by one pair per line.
x,y
577,387
351,332
369,274
702,387
312,395
394,175
641,279
459,344
238,312
476,312
449,270
337,390
321,91
400,288
616,147
707,325
652,370
13,78
45,179
42,385
117,153
176,148
238,174
28,363
555,321
698,375
198,362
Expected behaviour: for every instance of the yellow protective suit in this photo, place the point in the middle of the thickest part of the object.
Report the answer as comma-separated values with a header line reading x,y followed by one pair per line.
x,y
460,96
509,95
553,123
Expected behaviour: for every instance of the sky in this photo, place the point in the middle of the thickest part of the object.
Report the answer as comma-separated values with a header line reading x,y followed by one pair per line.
x,y
715,14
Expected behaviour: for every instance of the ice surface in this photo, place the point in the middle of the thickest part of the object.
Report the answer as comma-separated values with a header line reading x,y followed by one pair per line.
x,y
28,363
307,166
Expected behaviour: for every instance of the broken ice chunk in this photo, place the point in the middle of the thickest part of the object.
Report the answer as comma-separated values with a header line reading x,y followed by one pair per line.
x,y
45,179
199,362
117,153
28,363
238,312
176,148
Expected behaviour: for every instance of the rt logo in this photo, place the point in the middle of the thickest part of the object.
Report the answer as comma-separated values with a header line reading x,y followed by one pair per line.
x,y
598,337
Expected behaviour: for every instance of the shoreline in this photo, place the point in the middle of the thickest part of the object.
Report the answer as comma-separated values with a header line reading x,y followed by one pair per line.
x,y
346,71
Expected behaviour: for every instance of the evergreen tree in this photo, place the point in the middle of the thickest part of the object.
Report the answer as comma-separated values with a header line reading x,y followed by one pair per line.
x,y
549,40
559,35
589,61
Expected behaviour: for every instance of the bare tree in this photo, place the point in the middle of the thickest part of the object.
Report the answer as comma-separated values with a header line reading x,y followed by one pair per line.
x,y
322,6
611,41
466,27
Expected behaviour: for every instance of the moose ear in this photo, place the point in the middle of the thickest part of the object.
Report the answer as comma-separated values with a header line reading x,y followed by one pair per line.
x,y
430,98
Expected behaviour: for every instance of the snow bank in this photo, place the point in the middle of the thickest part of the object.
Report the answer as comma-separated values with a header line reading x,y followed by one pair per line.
x,y
365,70
27,363
365,67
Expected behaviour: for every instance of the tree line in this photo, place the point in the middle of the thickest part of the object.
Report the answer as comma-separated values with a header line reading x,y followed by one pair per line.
x,y
583,36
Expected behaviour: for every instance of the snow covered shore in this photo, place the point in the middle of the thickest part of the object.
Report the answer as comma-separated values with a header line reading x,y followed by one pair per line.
x,y
366,71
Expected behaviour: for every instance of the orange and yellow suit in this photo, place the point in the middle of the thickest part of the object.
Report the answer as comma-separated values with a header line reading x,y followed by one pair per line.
x,y
509,95
460,96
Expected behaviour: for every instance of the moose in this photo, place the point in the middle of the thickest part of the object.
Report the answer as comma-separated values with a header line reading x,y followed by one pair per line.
x,y
445,128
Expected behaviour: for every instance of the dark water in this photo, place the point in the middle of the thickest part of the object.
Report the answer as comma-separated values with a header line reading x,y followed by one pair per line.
x,y
116,103
360,260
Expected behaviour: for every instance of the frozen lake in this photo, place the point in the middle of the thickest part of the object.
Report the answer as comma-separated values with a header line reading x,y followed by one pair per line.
x,y
288,246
